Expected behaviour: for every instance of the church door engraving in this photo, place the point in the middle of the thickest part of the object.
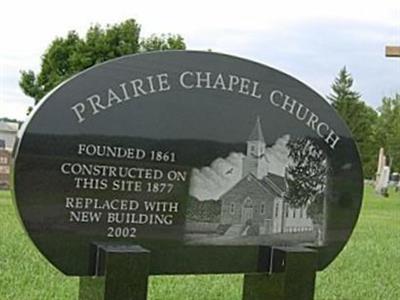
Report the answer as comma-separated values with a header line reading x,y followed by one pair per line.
x,y
247,211
268,226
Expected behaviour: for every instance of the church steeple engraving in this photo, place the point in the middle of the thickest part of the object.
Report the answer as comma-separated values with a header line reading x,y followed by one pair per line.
x,y
255,142
255,161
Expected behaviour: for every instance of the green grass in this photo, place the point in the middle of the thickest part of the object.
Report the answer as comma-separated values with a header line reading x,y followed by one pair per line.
x,y
367,269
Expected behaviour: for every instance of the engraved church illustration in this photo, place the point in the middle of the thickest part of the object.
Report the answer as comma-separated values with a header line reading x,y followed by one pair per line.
x,y
257,199
241,198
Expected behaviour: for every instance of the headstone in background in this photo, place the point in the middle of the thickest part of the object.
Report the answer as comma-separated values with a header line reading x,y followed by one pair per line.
x,y
380,180
383,183
381,161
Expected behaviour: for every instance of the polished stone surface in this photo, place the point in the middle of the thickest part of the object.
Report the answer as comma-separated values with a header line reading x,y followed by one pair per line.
x,y
186,154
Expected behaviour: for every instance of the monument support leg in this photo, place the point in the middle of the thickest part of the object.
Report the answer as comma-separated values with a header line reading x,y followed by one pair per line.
x,y
291,277
125,270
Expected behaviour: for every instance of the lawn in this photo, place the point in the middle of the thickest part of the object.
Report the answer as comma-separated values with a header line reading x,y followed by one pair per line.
x,y
367,269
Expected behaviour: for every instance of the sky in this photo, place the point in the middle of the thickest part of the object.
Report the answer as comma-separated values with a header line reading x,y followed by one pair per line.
x,y
310,40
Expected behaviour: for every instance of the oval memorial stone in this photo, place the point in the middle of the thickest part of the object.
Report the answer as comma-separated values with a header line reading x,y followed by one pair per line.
x,y
184,150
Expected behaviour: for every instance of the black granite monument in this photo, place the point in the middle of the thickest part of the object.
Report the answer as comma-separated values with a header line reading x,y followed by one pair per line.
x,y
187,162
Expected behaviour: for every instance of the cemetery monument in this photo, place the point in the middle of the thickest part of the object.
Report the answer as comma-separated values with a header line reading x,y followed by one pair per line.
x,y
187,162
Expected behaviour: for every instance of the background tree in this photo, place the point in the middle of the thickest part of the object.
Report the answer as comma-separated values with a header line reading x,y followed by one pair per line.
x,y
72,54
388,130
360,118
163,42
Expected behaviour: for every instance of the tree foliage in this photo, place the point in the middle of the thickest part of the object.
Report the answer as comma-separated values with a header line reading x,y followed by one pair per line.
x,y
359,117
69,55
163,42
306,176
388,130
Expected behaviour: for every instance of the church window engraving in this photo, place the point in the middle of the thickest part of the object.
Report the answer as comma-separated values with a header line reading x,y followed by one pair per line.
x,y
262,210
232,208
